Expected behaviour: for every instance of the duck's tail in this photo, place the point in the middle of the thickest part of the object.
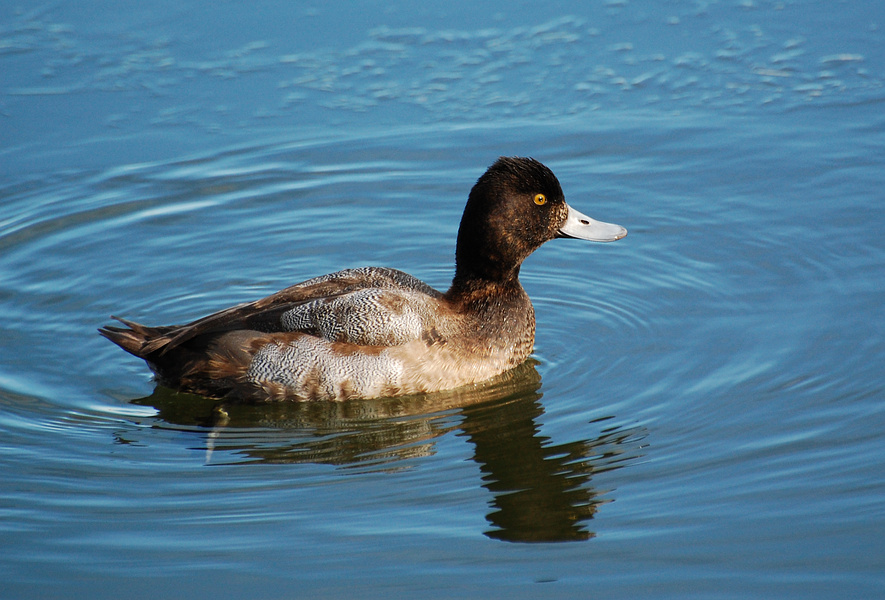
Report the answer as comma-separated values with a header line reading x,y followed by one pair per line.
x,y
211,364
184,367
137,339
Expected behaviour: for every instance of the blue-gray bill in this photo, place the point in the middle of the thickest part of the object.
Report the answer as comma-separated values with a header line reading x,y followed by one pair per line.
x,y
580,226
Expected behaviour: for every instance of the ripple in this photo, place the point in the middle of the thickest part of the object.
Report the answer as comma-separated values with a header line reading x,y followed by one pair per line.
x,y
737,68
727,351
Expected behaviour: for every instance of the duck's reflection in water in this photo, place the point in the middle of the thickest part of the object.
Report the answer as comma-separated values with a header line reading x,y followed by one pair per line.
x,y
541,490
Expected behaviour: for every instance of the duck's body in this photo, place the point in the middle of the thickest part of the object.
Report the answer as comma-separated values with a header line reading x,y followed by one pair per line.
x,y
375,332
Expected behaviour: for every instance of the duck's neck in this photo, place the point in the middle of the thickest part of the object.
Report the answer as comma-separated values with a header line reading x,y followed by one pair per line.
x,y
501,318
485,273
488,251
482,262
472,288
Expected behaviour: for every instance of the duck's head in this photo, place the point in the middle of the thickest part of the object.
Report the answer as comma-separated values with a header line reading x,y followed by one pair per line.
x,y
516,206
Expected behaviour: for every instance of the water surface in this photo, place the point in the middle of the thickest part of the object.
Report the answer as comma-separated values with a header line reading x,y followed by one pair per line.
x,y
702,416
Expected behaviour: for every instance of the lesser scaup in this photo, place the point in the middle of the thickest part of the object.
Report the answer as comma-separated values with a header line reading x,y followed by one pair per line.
x,y
375,332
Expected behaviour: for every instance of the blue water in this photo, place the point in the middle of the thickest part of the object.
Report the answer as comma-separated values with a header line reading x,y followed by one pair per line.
x,y
703,416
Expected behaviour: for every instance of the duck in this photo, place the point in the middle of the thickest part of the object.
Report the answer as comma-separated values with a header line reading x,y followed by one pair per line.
x,y
376,332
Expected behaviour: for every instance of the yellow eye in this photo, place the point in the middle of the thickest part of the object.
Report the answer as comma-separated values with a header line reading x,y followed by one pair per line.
x,y
540,199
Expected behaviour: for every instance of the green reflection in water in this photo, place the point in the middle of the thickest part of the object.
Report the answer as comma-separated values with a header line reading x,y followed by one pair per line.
x,y
541,491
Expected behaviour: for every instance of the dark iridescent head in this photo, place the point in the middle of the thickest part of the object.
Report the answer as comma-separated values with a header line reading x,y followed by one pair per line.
x,y
516,206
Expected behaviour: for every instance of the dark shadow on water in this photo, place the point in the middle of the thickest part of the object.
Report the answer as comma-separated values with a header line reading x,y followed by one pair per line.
x,y
541,490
